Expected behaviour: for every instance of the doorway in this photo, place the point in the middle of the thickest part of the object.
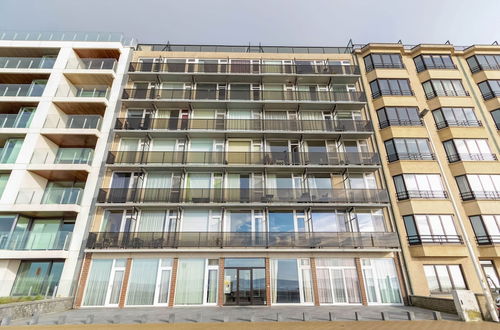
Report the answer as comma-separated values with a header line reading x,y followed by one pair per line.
x,y
244,281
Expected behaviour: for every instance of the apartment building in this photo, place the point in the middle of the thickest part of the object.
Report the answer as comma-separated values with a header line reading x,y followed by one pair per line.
x,y
240,175
58,93
436,116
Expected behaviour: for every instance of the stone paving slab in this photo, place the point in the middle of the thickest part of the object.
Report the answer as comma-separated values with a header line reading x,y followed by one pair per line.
x,y
230,314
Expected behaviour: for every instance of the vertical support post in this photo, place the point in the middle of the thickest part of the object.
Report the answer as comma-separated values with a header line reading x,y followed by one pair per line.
x,y
268,282
171,294
126,276
362,288
314,282
83,279
220,299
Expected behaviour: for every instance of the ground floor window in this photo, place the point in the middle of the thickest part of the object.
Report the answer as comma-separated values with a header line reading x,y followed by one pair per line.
x,y
381,281
291,281
197,281
105,282
490,273
37,278
149,282
444,278
338,281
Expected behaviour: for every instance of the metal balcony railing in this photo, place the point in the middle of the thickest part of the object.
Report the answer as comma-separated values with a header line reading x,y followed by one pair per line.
x,y
491,94
31,240
434,239
21,90
244,68
458,123
389,92
433,94
234,195
478,195
425,67
175,123
371,67
169,240
245,158
483,67
73,121
488,239
471,157
411,156
387,123
241,95
92,64
425,194
26,62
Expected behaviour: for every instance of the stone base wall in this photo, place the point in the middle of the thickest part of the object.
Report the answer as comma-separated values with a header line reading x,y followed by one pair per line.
x,y
27,309
445,305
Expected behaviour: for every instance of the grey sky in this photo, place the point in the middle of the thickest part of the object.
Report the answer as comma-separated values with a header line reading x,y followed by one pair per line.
x,y
270,22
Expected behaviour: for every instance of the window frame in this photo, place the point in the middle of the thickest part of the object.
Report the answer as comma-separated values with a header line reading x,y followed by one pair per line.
x,y
426,66
450,277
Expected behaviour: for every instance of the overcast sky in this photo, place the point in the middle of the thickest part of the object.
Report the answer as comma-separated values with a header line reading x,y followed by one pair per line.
x,y
270,22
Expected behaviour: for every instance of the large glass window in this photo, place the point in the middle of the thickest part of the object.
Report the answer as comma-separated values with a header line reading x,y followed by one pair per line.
x,y
37,278
105,282
338,281
490,88
196,281
444,278
381,281
444,87
4,177
291,281
381,87
431,228
479,186
328,221
490,273
419,186
483,62
468,149
385,61
445,117
10,150
486,228
496,117
408,149
398,116
426,62
149,287
285,222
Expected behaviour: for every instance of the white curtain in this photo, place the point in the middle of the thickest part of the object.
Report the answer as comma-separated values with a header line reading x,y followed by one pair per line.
x,y
97,284
195,220
190,282
205,114
129,144
240,114
142,283
151,221
159,180
324,286
163,145
201,145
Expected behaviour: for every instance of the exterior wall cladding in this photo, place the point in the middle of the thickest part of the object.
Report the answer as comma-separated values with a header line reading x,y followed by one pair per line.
x,y
171,175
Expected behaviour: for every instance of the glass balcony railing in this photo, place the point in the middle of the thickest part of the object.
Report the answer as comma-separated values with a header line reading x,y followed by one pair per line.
x,y
92,64
434,239
61,195
73,121
233,195
21,120
242,95
21,90
27,62
174,124
32,240
159,240
87,91
63,156
244,158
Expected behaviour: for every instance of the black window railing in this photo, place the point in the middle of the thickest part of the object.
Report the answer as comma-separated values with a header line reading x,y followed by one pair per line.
x,y
244,68
424,194
458,123
421,68
176,123
433,94
241,95
434,239
491,95
389,92
234,195
173,240
480,195
408,122
471,157
371,67
243,158
488,239
411,156
483,67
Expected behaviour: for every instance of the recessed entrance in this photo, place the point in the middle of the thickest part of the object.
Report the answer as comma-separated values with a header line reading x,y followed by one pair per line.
x,y
244,281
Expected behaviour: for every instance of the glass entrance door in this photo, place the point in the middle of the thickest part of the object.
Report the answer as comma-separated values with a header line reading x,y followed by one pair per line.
x,y
244,282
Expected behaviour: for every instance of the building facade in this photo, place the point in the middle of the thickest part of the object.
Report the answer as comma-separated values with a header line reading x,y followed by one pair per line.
x,y
242,176
58,93
436,118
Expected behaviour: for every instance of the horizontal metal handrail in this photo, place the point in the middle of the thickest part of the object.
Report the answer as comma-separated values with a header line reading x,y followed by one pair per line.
x,y
459,123
411,156
235,195
472,157
382,92
26,62
434,239
303,125
483,67
244,68
165,240
374,66
247,158
488,239
392,122
433,94
421,68
470,195
240,95
408,194
490,95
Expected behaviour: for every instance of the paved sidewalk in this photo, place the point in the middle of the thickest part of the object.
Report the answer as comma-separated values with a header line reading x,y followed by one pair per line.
x,y
217,315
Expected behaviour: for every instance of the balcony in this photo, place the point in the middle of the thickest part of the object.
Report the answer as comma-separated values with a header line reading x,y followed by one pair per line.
x,y
18,120
434,239
243,158
480,195
388,92
18,90
304,240
27,62
433,94
488,240
30,240
67,156
92,64
411,156
234,195
63,195
409,122
174,124
460,123
471,157
421,194
73,122
83,91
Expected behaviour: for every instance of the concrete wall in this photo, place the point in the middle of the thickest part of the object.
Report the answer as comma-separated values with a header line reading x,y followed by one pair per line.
x,y
29,308
445,305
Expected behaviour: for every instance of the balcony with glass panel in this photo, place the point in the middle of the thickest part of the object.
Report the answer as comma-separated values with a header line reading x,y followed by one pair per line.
x,y
15,116
62,163
56,196
91,92
72,124
28,89
25,64
34,240
92,64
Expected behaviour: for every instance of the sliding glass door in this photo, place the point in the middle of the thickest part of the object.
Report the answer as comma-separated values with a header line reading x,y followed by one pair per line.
x,y
105,282
381,281
291,281
197,282
151,287
338,281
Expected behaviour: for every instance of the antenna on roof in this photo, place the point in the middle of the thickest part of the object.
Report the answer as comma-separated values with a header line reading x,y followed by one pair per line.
x,y
447,42
248,49
261,50
400,42
495,43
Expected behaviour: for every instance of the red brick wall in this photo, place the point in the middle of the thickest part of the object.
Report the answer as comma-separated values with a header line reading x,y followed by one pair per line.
x,y
268,282
401,279
364,299
314,282
126,276
83,279
220,298
171,296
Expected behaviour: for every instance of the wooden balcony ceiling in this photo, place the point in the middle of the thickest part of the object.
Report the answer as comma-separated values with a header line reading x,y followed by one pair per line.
x,y
13,107
27,52
49,214
62,175
104,78
82,108
97,53
20,78
72,140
